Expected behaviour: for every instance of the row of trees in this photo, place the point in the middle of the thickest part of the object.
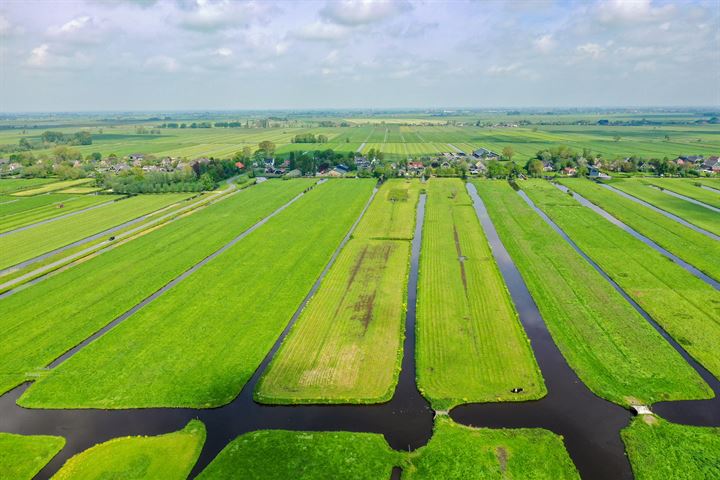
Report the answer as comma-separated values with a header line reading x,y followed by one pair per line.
x,y
309,138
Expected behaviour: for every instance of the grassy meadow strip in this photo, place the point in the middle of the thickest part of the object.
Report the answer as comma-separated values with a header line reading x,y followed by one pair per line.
x,y
687,187
685,306
611,347
200,342
277,454
471,346
81,190
46,212
457,452
10,185
697,215
23,456
170,457
26,244
38,324
392,216
10,205
695,248
660,450
346,346
52,187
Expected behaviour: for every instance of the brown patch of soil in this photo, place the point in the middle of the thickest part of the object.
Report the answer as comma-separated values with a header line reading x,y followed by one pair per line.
x,y
502,456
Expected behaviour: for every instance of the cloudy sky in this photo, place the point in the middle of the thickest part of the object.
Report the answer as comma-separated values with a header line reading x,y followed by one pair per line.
x,y
204,54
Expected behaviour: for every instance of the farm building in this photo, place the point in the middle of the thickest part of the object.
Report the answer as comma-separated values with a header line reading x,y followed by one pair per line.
x,y
484,153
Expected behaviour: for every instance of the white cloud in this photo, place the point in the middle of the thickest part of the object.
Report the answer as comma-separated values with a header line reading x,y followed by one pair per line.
x,y
44,57
545,43
224,52
163,63
321,31
591,50
212,15
363,12
7,28
39,56
503,69
632,11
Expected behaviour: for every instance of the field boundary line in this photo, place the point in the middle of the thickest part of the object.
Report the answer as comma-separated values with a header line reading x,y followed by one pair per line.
x,y
686,198
703,372
171,284
660,210
646,240
65,215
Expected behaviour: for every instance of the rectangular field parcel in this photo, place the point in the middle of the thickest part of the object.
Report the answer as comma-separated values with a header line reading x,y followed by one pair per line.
x,y
685,306
27,244
38,324
611,347
695,248
347,344
471,346
68,204
198,343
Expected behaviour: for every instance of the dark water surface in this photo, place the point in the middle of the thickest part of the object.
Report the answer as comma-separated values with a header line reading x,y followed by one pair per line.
x,y
590,425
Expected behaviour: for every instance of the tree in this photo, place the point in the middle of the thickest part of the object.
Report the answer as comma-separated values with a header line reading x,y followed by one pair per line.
x,y
508,152
534,167
268,147
207,181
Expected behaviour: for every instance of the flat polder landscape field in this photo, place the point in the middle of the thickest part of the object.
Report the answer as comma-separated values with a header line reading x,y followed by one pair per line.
x,y
406,295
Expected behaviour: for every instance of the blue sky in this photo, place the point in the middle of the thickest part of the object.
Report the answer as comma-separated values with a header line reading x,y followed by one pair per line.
x,y
203,54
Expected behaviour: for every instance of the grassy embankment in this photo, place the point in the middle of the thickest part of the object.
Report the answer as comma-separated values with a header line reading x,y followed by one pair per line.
x,y
199,343
695,248
52,187
697,215
30,243
471,346
38,324
614,351
458,452
48,211
346,346
267,454
23,456
685,306
170,457
660,450
688,188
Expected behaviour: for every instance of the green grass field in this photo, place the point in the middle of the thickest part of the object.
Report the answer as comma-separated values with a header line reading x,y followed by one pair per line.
x,y
695,248
23,456
346,346
170,457
10,205
52,187
277,454
457,452
615,351
199,343
695,214
38,324
30,243
687,187
471,346
685,306
10,185
660,450
71,204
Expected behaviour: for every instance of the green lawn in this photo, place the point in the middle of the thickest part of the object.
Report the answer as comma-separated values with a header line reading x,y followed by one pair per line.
x,y
170,457
687,187
10,185
614,351
51,187
38,324
457,452
54,209
392,215
282,454
695,248
471,346
346,346
685,306
661,450
23,456
26,244
690,212
199,343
